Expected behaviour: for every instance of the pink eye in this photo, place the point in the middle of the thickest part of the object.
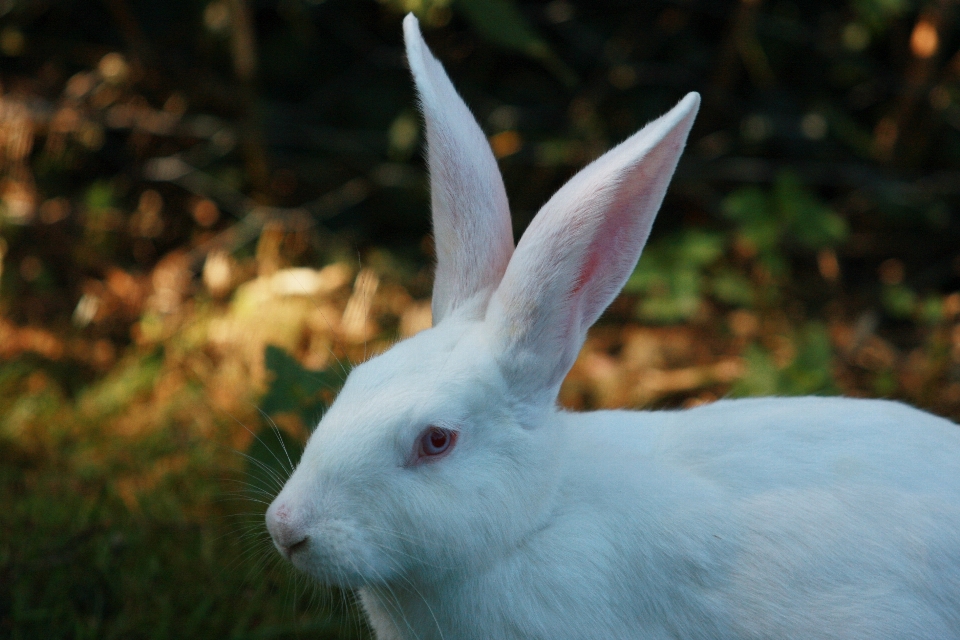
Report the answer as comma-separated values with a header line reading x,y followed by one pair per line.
x,y
435,442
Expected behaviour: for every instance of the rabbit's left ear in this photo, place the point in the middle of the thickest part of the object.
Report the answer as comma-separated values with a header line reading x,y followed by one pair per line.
x,y
578,252
471,219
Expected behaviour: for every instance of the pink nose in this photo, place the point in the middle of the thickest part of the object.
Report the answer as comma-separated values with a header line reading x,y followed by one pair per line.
x,y
287,534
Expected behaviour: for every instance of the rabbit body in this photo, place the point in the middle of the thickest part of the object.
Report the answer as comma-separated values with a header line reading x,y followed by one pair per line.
x,y
766,518
447,488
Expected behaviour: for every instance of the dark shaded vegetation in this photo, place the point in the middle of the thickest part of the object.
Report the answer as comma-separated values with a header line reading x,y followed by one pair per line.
x,y
209,209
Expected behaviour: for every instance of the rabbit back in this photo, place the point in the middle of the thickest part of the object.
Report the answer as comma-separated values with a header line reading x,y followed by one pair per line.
x,y
776,518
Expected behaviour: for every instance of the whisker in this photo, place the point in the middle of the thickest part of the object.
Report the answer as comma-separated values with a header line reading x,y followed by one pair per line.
x,y
260,440
234,497
396,601
266,468
279,436
247,484
412,586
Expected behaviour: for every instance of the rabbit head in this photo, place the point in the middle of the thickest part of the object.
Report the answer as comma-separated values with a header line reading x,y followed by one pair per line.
x,y
444,452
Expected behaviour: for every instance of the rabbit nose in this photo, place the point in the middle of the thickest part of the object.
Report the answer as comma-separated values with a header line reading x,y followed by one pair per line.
x,y
287,534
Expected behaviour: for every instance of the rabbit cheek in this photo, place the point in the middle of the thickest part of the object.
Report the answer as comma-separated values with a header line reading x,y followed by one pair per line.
x,y
341,554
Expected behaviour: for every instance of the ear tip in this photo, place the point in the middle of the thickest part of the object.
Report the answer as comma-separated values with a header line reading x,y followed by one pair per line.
x,y
680,118
690,103
411,30
418,54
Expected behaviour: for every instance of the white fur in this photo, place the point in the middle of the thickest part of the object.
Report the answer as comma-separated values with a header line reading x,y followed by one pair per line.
x,y
767,518
471,218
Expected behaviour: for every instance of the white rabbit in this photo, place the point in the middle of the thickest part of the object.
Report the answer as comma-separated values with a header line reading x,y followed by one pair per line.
x,y
446,486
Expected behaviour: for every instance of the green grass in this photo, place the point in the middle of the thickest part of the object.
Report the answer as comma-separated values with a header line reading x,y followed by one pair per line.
x,y
125,513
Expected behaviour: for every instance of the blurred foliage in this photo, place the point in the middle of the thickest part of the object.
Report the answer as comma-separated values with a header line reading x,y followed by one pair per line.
x,y
787,213
808,371
209,208
294,389
671,280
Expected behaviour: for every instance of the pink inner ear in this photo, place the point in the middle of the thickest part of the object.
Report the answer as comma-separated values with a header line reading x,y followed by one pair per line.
x,y
618,239
587,269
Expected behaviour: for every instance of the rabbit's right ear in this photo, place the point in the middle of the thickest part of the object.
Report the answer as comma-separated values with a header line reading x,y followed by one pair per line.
x,y
471,220
578,252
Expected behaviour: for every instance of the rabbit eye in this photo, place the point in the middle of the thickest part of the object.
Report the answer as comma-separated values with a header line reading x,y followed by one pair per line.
x,y
435,442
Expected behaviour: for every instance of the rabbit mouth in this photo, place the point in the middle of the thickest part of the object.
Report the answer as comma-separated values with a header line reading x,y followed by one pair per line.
x,y
344,573
339,557
297,547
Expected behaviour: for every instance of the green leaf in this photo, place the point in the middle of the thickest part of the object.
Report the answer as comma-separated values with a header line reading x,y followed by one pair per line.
x,y
648,276
502,23
898,300
761,378
931,309
822,229
668,309
810,371
812,223
699,248
128,380
297,390
879,14
885,383
763,234
671,275
733,288
746,205
99,195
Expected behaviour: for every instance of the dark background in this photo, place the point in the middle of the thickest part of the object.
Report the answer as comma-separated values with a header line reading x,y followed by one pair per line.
x,y
209,209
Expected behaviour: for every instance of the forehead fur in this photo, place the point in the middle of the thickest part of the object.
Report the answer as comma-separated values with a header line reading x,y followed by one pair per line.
x,y
416,379
415,360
